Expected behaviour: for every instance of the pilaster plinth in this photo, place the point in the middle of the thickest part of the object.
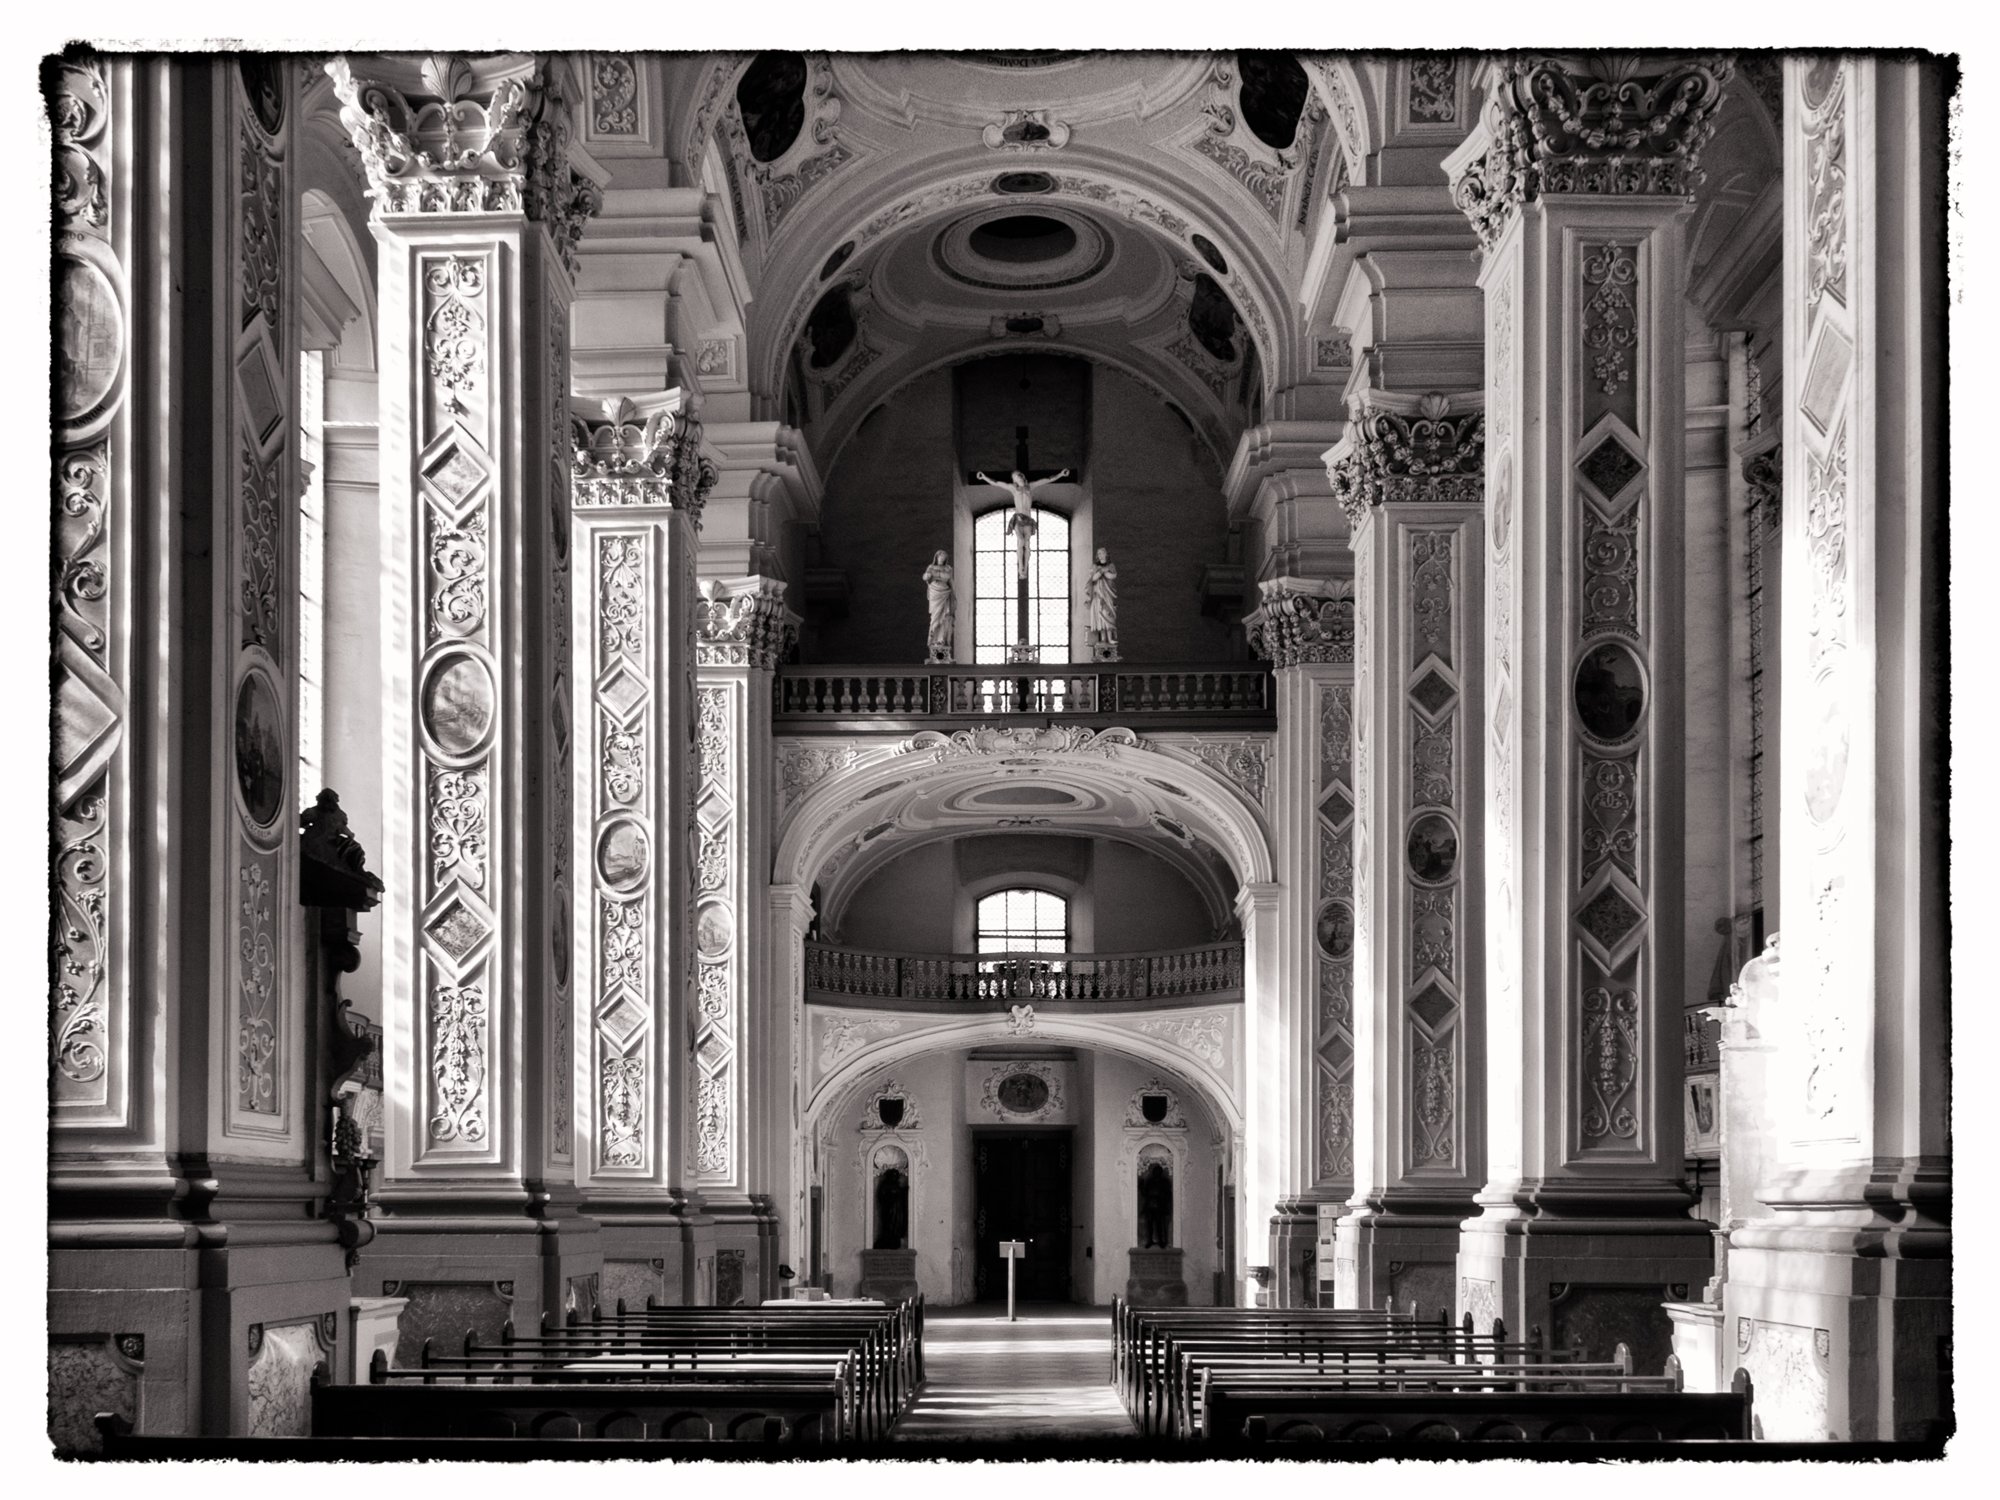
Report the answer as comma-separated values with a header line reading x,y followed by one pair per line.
x,y
1410,473
1577,182
1305,627
476,211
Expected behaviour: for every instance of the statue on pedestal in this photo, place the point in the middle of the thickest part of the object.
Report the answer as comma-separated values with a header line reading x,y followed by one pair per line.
x,y
1100,597
1021,525
937,588
1156,1206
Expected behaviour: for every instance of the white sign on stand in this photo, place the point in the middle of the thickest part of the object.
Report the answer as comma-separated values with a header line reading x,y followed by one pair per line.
x,y
1011,1251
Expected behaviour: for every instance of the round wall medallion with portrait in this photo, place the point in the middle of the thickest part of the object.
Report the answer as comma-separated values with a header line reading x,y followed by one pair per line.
x,y
623,854
89,339
260,750
458,703
1610,692
1334,929
1433,849
711,930
1022,1093
1826,758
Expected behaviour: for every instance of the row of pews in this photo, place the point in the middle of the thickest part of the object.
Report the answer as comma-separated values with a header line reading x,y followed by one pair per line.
x,y
620,1384
1236,1378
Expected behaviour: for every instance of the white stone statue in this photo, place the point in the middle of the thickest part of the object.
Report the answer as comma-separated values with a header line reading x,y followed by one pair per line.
x,y
1100,597
1021,525
937,588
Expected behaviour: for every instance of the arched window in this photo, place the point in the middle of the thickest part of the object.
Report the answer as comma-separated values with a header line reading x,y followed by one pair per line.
x,y
997,586
1023,920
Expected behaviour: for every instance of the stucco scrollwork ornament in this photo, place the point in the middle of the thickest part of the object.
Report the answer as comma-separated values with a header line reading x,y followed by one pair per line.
x,y
1026,130
846,1035
1432,453
629,455
1610,123
1206,1036
1242,762
1021,1019
803,767
743,624
1302,623
1062,739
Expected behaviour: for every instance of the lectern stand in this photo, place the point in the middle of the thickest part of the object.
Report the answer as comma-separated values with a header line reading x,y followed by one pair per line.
x,y
1011,1251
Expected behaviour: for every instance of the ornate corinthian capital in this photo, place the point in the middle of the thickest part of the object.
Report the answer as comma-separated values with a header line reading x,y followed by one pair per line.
x,y
1302,620
639,453
1585,125
1434,452
743,623
445,134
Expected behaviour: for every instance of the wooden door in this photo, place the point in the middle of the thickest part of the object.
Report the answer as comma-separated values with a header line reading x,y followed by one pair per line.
x,y
1021,1191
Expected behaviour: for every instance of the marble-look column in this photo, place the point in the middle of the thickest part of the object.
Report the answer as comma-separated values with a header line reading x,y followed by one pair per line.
x,y
476,213
1838,1303
1577,182
1305,627
742,1023
1410,473
781,1123
638,487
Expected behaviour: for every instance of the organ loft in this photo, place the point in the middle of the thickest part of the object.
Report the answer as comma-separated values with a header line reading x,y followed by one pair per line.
x,y
719,718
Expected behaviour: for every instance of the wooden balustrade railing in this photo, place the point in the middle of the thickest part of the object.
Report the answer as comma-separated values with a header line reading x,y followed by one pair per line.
x,y
813,695
1213,971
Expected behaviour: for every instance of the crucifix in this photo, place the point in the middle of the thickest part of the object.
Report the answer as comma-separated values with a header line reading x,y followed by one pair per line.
x,y
1021,526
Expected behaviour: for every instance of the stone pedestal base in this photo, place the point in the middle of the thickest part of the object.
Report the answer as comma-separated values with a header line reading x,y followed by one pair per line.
x,y
1295,1255
745,1233
218,1342
478,1272
888,1274
371,1323
1698,1344
1839,1346
1597,1282
1155,1279
1402,1259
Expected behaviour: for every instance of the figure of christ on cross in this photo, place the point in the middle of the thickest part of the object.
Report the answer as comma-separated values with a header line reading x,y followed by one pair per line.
x,y
1021,525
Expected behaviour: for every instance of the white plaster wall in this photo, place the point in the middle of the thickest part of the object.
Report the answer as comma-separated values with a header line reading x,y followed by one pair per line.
x,y
1113,1219
940,1200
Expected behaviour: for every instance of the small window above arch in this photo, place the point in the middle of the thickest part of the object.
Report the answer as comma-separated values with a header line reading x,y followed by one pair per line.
x,y
1022,920
1273,95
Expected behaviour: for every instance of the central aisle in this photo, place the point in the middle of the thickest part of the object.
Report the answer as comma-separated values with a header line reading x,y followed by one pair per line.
x,y
1046,1376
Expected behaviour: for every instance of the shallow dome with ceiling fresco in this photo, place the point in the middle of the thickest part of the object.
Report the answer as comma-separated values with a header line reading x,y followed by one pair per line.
x,y
1017,247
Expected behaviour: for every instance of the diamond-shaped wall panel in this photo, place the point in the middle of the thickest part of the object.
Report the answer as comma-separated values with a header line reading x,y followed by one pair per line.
x,y
1433,1006
1433,692
455,474
1336,805
1609,467
711,1051
457,930
1609,917
623,1020
621,692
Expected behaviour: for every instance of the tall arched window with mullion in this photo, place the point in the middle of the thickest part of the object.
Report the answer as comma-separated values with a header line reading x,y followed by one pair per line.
x,y
997,586
1022,920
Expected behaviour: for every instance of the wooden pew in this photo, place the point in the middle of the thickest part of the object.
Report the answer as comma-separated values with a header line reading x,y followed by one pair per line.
x,y
1235,1419
658,1374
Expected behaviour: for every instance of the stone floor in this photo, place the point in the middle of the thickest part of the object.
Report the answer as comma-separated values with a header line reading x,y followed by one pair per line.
x,y
1045,1377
